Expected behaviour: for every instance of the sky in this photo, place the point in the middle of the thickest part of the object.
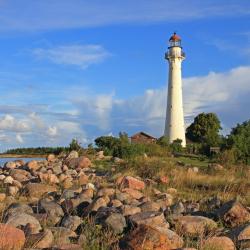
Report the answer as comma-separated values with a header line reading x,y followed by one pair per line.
x,y
81,69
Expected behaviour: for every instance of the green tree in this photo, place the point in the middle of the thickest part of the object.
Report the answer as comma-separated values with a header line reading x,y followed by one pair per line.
x,y
163,141
205,129
239,140
75,145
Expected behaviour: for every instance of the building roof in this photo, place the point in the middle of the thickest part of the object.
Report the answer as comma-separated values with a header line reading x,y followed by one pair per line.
x,y
144,134
174,37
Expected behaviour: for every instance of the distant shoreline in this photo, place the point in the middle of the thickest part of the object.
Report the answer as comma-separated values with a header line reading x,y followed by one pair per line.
x,y
22,156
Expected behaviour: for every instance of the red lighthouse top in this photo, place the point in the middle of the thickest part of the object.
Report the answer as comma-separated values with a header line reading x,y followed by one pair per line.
x,y
174,41
174,38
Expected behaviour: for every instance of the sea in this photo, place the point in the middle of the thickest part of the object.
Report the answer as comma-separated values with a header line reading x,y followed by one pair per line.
x,y
4,160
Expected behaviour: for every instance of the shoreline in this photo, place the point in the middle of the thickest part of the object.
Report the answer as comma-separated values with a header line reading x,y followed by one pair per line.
x,y
22,156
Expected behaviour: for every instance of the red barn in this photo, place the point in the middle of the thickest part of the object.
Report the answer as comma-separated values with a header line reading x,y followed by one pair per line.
x,y
142,137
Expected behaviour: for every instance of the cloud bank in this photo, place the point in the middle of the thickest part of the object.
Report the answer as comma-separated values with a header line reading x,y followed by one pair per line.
x,y
225,93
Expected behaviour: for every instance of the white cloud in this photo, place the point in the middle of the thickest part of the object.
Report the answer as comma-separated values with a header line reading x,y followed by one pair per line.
x,y
58,14
8,122
19,138
52,131
79,55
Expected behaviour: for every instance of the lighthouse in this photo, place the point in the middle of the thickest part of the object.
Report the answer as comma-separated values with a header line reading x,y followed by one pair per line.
x,y
174,126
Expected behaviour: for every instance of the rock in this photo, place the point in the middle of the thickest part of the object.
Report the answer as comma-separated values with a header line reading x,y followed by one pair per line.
x,y
67,183
149,218
8,180
62,235
51,158
130,210
87,193
12,190
17,208
195,225
178,208
10,165
241,235
71,222
37,190
48,178
222,243
195,170
150,206
33,165
53,210
11,238
2,197
172,191
216,166
131,182
233,213
84,162
83,179
57,168
135,194
106,192
100,202
82,240
22,219
145,237
73,154
68,246
115,203
2,177
40,240
116,222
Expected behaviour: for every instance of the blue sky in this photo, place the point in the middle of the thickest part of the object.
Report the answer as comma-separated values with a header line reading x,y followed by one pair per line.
x,y
80,69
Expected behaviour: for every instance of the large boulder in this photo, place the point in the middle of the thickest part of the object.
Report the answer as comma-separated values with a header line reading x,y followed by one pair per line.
x,y
10,165
222,243
33,165
116,222
11,238
153,219
233,213
22,219
145,237
131,182
195,225
41,240
241,235
37,190
71,222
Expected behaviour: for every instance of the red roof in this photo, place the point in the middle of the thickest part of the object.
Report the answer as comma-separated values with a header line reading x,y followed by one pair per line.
x,y
174,37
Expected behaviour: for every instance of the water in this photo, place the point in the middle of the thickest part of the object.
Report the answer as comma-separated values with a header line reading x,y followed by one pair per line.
x,y
4,160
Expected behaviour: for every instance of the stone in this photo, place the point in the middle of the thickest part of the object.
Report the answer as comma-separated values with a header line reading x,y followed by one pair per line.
x,y
241,235
150,206
233,213
51,158
67,246
99,202
67,183
84,162
8,180
145,237
135,194
73,154
2,197
37,190
22,219
53,210
17,208
106,192
33,165
10,165
178,208
164,180
222,243
149,218
2,177
11,238
172,191
40,240
48,178
116,222
195,225
71,222
100,155
87,193
115,203
175,240
62,235
12,190
83,179
131,182
128,210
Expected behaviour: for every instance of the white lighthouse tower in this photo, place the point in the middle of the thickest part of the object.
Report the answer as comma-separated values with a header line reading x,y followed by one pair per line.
x,y
174,126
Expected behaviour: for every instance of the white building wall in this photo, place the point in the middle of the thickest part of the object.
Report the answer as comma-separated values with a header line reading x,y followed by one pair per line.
x,y
174,126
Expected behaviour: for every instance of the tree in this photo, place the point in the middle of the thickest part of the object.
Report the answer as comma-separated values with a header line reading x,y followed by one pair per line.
x,y
75,145
205,129
239,140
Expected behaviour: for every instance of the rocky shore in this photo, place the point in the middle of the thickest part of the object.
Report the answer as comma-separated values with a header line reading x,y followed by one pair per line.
x,y
66,203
